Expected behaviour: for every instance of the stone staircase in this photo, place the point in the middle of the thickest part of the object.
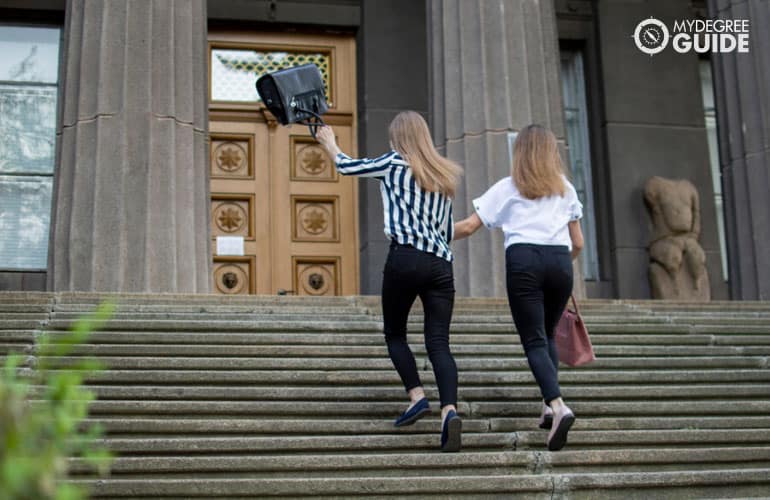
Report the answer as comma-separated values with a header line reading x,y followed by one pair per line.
x,y
250,397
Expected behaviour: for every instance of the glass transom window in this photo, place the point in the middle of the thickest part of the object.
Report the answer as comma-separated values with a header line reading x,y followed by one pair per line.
x,y
235,71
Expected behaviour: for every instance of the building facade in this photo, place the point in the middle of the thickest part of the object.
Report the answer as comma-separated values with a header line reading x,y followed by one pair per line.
x,y
136,157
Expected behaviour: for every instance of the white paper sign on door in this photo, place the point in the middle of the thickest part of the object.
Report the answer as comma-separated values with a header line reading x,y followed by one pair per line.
x,y
229,245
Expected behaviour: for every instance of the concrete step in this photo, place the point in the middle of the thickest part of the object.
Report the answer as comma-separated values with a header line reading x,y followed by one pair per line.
x,y
671,421
346,465
503,340
296,444
202,313
372,487
220,309
21,315
636,408
9,336
587,440
432,464
638,306
372,324
181,425
26,298
190,298
23,324
607,319
380,350
410,442
307,316
232,326
675,458
395,393
470,378
16,348
310,425
391,409
463,363
733,482
381,409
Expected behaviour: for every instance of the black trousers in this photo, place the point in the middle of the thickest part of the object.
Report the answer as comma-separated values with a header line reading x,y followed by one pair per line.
x,y
539,282
409,273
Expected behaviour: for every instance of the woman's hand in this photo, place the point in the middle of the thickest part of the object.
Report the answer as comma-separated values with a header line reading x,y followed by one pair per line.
x,y
325,136
467,226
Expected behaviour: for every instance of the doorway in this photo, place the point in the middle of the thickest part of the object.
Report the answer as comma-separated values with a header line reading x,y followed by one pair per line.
x,y
274,190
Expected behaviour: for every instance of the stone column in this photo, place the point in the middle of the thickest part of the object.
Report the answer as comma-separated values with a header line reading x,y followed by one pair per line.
x,y
131,189
388,83
495,69
743,116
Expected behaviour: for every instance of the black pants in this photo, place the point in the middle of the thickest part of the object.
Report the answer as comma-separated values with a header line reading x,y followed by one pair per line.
x,y
410,272
539,281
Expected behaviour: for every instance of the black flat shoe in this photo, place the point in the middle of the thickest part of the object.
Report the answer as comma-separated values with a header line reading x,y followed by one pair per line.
x,y
413,414
451,432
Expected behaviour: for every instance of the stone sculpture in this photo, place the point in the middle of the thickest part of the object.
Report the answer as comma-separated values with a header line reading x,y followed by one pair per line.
x,y
677,261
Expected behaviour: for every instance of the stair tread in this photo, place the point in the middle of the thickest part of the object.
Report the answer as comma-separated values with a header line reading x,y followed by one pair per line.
x,y
461,484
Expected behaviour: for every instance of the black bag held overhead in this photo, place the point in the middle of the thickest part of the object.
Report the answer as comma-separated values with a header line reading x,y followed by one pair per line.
x,y
295,95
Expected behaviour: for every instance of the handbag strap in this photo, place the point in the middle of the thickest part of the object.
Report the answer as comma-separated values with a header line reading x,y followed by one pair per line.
x,y
574,304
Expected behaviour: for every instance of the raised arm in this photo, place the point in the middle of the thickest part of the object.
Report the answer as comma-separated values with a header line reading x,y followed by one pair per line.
x,y
467,226
346,165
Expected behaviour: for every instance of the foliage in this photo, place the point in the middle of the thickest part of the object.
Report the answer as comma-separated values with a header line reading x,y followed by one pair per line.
x,y
42,413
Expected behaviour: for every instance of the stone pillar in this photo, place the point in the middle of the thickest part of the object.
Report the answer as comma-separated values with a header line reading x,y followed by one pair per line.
x,y
494,70
131,190
743,117
388,83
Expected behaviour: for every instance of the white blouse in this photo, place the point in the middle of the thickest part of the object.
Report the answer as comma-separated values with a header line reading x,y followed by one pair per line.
x,y
542,221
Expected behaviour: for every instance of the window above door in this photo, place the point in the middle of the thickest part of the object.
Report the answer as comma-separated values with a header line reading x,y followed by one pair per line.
x,y
234,71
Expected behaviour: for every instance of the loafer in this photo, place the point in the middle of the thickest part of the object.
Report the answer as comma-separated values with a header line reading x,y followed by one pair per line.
x,y
413,414
562,422
546,418
451,432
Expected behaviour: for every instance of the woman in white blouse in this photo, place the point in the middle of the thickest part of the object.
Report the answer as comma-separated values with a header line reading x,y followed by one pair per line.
x,y
539,212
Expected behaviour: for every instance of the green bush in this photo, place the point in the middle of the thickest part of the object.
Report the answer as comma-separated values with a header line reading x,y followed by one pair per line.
x,y
42,413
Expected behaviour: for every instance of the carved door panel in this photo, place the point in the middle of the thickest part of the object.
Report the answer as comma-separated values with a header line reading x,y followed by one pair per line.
x,y
316,218
274,186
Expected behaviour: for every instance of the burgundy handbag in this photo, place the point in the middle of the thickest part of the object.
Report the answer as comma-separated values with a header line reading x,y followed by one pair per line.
x,y
572,340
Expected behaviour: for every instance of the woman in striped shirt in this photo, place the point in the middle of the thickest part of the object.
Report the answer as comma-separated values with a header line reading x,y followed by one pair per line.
x,y
417,185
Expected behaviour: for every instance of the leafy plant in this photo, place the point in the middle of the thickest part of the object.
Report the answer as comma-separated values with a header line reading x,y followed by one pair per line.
x,y
42,412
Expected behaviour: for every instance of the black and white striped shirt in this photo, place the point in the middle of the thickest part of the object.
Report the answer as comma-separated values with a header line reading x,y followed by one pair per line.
x,y
412,215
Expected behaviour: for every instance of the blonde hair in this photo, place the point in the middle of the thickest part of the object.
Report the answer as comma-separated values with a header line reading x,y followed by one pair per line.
x,y
410,137
537,169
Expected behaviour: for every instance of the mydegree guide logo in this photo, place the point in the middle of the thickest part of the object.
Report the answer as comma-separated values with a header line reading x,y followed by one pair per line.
x,y
652,36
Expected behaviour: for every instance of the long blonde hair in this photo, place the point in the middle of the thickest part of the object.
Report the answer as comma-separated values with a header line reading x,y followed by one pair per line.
x,y
537,168
409,135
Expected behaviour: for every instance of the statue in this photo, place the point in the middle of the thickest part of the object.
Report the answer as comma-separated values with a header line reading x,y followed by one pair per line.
x,y
677,261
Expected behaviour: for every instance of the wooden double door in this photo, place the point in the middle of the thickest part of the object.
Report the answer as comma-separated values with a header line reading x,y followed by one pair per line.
x,y
274,191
